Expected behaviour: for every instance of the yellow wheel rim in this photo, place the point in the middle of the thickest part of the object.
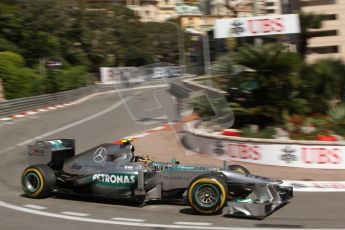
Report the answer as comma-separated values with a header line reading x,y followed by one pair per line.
x,y
212,181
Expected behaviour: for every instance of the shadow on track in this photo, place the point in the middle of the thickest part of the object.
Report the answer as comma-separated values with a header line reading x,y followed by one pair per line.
x,y
111,201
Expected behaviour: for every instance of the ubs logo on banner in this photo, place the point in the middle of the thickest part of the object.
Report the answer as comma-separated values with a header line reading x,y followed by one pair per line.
x,y
321,155
237,27
288,157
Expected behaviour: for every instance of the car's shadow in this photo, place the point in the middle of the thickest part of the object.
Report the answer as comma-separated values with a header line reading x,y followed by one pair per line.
x,y
139,204
89,199
112,201
190,211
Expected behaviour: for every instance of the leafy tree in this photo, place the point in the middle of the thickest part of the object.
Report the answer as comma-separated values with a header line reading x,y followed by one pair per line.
x,y
164,40
229,74
82,36
71,78
322,82
276,75
10,21
224,66
18,80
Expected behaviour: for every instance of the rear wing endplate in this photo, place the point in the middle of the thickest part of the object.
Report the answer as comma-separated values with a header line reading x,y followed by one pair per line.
x,y
51,152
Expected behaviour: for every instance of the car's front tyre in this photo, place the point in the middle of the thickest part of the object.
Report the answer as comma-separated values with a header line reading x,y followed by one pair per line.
x,y
207,194
38,181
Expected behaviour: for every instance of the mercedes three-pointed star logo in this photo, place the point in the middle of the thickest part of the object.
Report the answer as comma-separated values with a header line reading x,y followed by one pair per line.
x,y
99,155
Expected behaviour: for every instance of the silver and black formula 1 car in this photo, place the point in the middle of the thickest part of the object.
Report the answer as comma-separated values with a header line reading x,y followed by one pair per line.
x,y
112,170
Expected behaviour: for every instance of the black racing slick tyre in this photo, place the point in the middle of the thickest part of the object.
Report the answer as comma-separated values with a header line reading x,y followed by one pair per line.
x,y
238,169
38,181
207,194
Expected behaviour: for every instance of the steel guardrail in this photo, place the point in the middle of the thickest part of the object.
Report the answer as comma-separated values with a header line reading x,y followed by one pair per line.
x,y
21,105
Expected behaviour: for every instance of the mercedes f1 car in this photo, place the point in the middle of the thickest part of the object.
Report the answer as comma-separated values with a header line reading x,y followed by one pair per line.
x,y
113,170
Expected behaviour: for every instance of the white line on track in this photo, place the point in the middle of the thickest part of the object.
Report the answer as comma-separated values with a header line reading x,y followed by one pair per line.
x,y
128,219
19,115
123,100
75,214
7,150
42,110
193,223
112,222
138,135
139,88
5,119
123,223
24,143
34,206
86,119
158,128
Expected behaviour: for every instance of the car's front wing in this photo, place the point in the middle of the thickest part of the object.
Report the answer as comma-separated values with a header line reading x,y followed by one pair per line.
x,y
263,200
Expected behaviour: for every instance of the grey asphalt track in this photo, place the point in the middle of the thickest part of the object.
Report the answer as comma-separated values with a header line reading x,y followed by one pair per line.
x,y
104,119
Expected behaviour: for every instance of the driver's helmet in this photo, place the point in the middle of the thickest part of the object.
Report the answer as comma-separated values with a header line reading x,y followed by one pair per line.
x,y
126,141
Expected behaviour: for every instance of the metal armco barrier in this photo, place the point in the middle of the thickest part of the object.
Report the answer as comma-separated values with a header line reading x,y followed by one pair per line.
x,y
17,106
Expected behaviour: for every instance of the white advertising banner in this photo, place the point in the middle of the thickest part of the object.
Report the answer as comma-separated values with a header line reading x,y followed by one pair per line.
x,y
280,154
257,26
120,75
304,156
316,186
125,75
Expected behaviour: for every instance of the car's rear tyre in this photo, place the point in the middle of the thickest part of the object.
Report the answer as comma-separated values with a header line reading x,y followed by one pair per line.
x,y
207,194
238,169
38,181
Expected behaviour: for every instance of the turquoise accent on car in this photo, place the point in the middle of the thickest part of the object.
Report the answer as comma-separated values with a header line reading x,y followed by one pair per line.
x,y
178,167
206,195
29,182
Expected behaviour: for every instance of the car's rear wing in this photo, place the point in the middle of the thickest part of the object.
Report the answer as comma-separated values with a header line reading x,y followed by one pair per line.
x,y
51,152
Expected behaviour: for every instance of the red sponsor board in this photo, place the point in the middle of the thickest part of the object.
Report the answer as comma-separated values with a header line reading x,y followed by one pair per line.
x,y
243,151
265,25
319,155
